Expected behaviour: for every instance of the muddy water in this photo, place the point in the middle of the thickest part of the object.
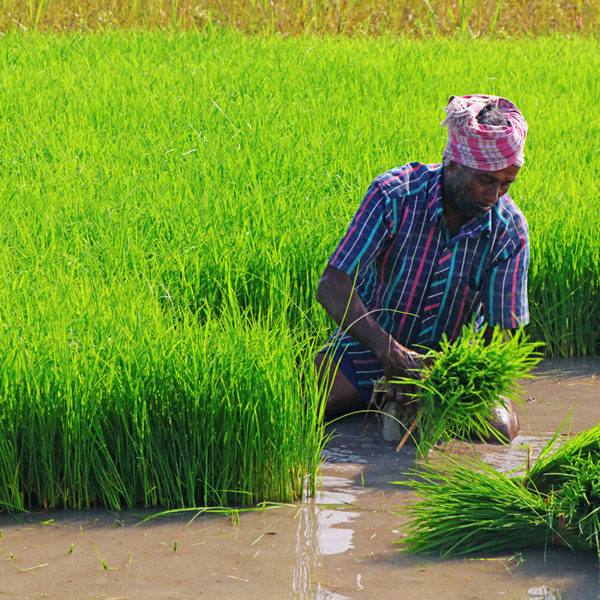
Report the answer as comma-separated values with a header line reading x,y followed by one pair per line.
x,y
339,545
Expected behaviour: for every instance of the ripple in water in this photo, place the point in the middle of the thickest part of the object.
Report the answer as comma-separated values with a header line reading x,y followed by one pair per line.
x,y
513,457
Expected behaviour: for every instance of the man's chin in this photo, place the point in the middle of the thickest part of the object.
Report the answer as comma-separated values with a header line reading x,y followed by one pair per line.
x,y
484,211
476,212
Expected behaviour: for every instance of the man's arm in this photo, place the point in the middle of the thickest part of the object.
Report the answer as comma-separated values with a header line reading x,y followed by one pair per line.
x,y
336,293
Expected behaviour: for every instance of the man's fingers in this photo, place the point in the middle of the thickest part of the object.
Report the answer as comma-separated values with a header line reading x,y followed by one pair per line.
x,y
400,393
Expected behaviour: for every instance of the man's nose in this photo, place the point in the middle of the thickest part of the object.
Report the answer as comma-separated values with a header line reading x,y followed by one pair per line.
x,y
493,193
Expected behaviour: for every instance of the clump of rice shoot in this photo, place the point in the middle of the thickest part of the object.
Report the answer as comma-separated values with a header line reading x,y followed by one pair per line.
x,y
569,477
461,385
466,506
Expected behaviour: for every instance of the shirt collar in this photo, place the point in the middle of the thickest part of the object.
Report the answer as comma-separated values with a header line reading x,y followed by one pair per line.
x,y
434,197
476,227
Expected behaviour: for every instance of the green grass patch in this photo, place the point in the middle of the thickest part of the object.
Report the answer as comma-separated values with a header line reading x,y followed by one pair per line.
x,y
182,162
189,414
169,202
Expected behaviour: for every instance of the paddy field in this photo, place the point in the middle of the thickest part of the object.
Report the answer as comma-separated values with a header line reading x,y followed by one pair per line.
x,y
170,195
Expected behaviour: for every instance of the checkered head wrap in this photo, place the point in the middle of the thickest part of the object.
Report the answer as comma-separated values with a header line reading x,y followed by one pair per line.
x,y
484,147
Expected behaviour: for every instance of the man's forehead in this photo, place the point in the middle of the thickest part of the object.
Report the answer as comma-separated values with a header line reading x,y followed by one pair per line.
x,y
509,172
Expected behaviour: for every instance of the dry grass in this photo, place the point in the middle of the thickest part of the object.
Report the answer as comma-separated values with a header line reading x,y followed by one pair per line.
x,y
418,18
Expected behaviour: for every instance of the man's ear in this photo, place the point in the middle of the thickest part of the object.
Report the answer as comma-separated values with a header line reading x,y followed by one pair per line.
x,y
450,166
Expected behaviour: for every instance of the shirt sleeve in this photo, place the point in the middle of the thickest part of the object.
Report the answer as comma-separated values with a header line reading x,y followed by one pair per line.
x,y
504,290
367,234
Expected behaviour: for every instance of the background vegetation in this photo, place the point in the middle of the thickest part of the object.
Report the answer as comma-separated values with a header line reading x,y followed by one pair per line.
x,y
420,18
188,169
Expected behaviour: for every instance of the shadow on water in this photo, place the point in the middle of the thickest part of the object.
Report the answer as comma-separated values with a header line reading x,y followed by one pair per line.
x,y
579,572
569,368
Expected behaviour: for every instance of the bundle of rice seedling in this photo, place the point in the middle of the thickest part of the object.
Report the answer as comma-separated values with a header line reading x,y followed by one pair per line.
x,y
467,506
569,477
461,385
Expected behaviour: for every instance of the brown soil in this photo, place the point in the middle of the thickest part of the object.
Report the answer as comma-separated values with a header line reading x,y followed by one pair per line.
x,y
336,546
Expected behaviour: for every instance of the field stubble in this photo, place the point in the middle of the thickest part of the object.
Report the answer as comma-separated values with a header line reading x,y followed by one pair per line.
x,y
427,18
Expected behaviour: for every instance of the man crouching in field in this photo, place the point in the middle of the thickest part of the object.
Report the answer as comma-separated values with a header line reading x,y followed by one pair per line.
x,y
431,248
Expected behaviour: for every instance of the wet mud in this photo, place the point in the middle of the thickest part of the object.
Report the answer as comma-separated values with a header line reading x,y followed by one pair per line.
x,y
335,546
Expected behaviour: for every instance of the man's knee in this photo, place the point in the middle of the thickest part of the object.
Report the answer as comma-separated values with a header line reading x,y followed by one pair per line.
x,y
505,422
342,396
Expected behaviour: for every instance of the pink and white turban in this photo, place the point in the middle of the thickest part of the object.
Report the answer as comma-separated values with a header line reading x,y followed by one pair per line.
x,y
484,147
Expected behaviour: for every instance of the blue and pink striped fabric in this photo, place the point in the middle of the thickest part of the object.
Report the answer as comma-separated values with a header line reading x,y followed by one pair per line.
x,y
418,282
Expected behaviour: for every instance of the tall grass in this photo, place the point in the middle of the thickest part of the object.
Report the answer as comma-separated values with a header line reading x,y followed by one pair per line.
x,y
145,410
426,18
168,200
196,160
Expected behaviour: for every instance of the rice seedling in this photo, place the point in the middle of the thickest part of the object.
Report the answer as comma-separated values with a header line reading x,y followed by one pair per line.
x,y
569,474
102,560
204,427
458,389
466,506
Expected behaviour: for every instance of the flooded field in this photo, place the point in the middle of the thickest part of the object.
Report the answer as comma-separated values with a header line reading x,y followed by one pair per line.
x,y
336,546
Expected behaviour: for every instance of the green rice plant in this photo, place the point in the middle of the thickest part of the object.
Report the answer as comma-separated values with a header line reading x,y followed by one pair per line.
x,y
579,499
113,187
569,473
216,413
159,217
549,468
467,506
461,384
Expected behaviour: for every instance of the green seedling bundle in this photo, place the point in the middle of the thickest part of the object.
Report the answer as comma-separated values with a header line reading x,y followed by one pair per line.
x,y
177,415
466,506
457,391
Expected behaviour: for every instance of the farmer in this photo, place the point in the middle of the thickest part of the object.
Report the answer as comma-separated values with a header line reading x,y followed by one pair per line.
x,y
432,247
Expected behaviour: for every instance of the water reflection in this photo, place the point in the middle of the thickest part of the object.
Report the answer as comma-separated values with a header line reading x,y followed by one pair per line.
x,y
543,592
319,534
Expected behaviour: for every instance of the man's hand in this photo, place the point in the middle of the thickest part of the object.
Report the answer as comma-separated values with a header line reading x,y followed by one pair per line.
x,y
401,363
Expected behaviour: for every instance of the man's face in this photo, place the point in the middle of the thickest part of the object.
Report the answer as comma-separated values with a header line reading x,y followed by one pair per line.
x,y
472,192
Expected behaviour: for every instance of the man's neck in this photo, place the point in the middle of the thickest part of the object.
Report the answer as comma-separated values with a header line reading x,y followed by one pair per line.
x,y
454,219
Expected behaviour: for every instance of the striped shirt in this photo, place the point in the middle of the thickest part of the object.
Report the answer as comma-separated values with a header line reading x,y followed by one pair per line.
x,y
419,282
